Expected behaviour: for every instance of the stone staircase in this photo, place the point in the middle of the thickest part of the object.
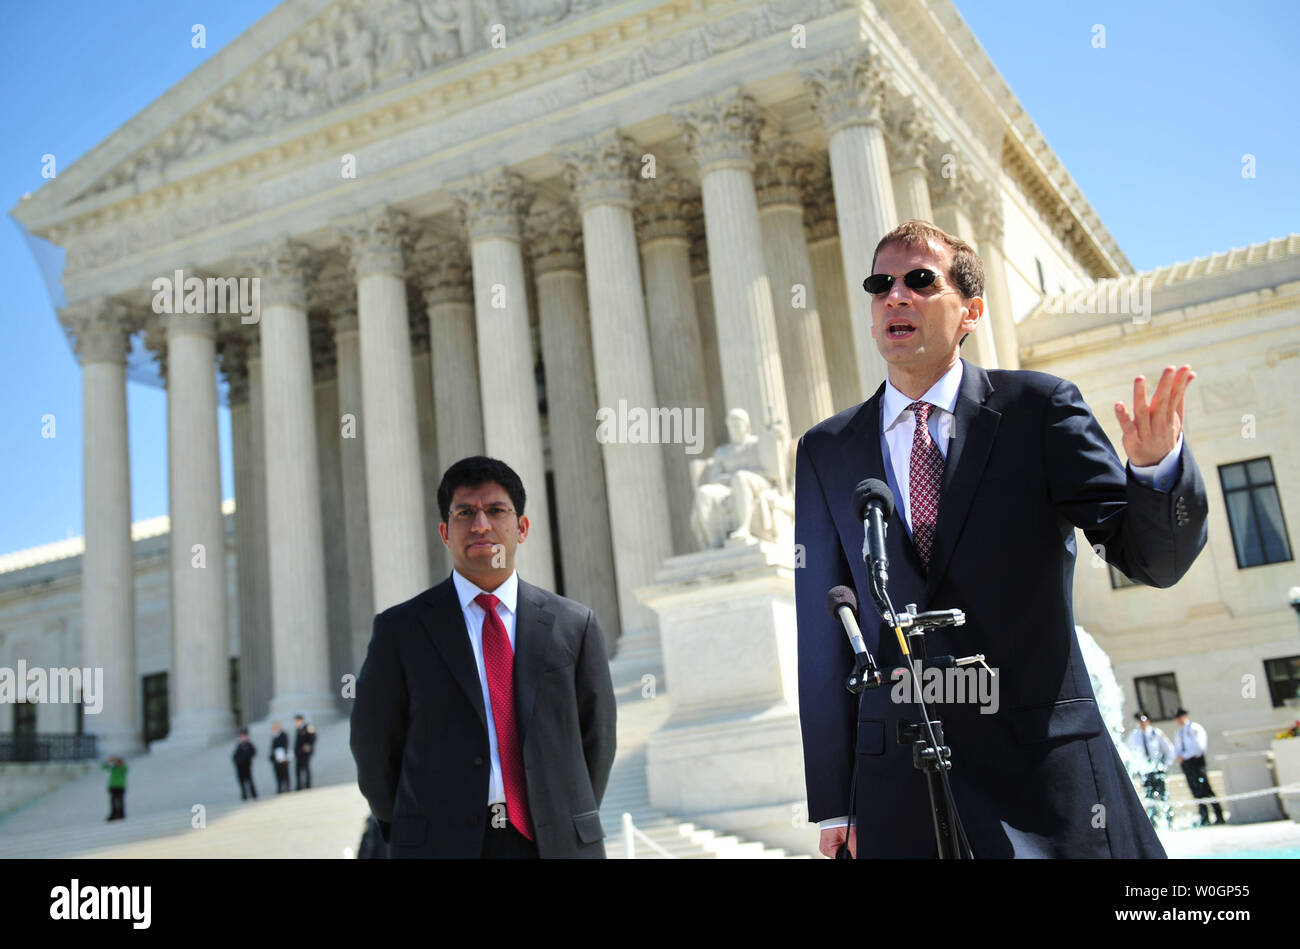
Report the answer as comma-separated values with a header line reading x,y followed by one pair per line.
x,y
163,790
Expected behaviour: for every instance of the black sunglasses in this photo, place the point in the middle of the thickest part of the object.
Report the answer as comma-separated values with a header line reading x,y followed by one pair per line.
x,y
879,283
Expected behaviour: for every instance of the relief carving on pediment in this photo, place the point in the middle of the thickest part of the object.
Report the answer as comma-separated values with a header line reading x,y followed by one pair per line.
x,y
347,52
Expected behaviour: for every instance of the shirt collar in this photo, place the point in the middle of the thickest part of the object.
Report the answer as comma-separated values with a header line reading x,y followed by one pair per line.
x,y
942,394
507,593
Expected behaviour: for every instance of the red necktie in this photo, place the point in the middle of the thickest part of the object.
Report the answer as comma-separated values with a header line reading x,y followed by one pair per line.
x,y
925,475
499,663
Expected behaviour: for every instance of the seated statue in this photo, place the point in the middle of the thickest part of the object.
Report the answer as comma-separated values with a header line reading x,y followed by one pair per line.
x,y
741,492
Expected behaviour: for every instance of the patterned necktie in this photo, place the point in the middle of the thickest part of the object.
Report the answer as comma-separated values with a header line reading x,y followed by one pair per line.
x,y
925,475
499,663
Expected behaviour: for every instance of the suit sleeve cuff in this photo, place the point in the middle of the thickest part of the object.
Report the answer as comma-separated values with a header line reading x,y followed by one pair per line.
x,y
1162,475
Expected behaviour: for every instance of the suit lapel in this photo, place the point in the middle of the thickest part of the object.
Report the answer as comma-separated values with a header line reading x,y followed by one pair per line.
x,y
973,430
862,459
445,624
533,625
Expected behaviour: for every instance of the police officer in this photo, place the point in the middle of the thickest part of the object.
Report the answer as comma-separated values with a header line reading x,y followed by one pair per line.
x,y
1189,746
245,751
1155,753
304,744
280,757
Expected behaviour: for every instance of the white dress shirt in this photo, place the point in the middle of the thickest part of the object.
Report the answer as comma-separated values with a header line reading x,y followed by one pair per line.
x,y
508,594
1191,741
898,426
1150,745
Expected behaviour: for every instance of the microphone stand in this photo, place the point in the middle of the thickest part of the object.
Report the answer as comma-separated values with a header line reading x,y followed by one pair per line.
x,y
929,754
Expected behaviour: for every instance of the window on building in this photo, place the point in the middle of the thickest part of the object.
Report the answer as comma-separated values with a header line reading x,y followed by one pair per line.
x,y
1042,282
1158,695
24,731
1283,678
157,720
1254,513
24,719
1118,581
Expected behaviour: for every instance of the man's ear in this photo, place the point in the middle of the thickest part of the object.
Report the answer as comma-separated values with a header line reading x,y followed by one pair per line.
x,y
974,313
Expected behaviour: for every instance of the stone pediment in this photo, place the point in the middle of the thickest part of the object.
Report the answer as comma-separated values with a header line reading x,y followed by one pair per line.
x,y
340,51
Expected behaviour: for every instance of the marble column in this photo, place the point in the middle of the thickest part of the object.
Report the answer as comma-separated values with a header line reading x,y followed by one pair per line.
x,y
677,352
997,295
848,92
444,275
295,534
329,453
199,683
780,173
491,206
242,362
721,132
823,235
422,368
581,504
601,171
953,199
909,143
702,288
100,331
352,467
399,549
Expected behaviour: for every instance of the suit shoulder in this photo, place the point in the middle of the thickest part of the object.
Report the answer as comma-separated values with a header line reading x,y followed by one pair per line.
x,y
1026,381
831,428
1025,384
405,614
564,608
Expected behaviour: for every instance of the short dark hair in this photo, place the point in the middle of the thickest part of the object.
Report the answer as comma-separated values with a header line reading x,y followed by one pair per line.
x,y
967,271
474,471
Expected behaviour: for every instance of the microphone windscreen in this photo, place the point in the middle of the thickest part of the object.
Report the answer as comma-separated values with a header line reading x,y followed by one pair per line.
x,y
872,489
841,596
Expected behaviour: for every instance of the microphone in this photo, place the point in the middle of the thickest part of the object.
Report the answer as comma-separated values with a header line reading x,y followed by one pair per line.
x,y
873,503
843,604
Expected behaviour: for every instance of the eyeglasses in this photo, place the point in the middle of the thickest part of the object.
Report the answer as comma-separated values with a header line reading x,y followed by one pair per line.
x,y
918,279
468,515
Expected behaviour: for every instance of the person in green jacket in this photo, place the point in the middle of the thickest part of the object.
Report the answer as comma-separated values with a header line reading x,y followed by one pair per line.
x,y
116,769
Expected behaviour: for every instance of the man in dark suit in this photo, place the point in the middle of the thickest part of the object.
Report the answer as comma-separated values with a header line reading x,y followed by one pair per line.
x,y
304,745
280,758
991,473
484,721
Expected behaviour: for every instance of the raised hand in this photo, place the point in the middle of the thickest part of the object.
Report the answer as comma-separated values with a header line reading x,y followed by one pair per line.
x,y
1152,429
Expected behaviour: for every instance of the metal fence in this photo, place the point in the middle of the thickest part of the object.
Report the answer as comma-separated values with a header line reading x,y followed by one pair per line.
x,y
19,748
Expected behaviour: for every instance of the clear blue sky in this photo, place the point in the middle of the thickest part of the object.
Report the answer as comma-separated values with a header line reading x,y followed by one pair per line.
x,y
1152,127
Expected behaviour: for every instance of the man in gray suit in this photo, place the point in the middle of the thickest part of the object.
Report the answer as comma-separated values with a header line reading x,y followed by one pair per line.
x,y
484,720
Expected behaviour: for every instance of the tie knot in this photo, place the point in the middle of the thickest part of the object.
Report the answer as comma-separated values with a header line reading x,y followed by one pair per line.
x,y
487,601
921,410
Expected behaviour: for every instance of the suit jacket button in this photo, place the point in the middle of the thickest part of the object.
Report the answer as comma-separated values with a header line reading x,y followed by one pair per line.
x,y
478,760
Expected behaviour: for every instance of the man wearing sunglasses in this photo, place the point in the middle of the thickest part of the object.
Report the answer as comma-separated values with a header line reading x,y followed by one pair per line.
x,y
484,718
991,472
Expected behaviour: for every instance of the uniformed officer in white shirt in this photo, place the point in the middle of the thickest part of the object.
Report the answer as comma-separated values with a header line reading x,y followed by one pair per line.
x,y
1155,754
1189,748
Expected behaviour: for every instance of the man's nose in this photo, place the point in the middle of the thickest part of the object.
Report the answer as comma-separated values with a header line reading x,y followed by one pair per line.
x,y
898,295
